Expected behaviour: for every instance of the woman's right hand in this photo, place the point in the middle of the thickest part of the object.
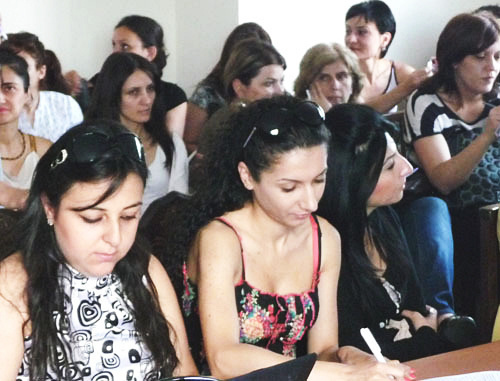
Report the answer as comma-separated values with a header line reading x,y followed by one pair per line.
x,y
317,96
419,321
365,366
377,371
415,79
493,123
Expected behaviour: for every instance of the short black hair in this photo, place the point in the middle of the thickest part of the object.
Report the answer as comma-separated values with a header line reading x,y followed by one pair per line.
x,y
378,12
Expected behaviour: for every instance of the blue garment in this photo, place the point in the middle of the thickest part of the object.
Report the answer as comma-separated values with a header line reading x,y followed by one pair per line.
x,y
427,227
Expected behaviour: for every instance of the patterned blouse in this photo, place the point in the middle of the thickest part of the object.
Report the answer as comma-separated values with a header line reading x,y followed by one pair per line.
x,y
100,332
272,321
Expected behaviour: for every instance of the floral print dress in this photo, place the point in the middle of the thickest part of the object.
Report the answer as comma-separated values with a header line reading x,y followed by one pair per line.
x,y
272,321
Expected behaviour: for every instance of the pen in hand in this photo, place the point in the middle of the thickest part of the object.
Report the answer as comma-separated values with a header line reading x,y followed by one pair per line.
x,y
372,344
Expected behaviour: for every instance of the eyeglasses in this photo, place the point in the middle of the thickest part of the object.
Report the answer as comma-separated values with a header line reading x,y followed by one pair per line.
x,y
275,122
90,146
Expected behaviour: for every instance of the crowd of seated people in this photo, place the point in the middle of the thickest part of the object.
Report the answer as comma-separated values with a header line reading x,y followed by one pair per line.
x,y
290,230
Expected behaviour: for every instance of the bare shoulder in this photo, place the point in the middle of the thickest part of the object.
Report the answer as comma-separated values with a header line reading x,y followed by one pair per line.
x,y
219,247
219,233
13,279
42,145
156,269
330,243
403,70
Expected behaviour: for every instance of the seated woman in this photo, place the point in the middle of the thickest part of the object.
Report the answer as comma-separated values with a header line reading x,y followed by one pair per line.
x,y
144,36
378,287
370,30
47,114
454,119
126,92
208,95
329,75
82,298
264,174
254,70
19,152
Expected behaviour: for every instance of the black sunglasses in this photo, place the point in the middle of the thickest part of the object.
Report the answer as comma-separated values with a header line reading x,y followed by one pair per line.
x,y
275,122
90,146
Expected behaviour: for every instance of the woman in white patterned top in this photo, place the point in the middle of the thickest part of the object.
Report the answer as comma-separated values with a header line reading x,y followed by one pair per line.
x,y
47,114
82,299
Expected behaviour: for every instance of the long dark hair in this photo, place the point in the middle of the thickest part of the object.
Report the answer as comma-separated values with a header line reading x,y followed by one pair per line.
x,y
378,12
43,258
241,32
107,94
150,33
355,160
219,189
465,34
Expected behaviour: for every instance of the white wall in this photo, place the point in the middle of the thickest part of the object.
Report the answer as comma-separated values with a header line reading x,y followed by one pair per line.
x,y
295,26
202,28
79,31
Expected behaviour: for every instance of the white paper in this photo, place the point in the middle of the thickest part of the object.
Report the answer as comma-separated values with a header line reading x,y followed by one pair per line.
x,y
477,376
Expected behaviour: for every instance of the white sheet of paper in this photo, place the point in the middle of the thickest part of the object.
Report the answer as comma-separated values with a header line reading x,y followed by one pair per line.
x,y
477,376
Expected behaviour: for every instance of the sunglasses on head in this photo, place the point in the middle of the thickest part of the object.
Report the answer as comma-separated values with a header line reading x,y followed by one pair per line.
x,y
90,146
274,122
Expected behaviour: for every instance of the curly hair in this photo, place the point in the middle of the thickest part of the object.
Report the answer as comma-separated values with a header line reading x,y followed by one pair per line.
x,y
320,55
220,189
42,257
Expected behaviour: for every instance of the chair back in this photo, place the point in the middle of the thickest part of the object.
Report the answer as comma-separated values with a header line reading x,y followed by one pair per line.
x,y
496,327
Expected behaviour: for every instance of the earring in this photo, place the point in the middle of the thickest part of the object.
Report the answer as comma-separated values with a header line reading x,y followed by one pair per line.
x,y
50,221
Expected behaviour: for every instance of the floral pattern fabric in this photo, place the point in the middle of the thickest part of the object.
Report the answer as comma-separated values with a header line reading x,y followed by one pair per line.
x,y
272,321
275,322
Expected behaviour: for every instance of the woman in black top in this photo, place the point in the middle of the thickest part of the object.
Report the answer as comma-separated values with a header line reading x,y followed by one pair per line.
x,y
378,287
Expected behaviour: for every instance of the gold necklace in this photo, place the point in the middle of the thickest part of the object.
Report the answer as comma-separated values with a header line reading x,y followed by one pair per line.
x,y
22,151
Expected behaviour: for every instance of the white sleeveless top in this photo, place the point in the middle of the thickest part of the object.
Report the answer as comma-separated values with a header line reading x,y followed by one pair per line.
x,y
100,331
23,179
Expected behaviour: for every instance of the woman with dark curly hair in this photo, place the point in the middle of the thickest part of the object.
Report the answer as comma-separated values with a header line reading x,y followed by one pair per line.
x,y
82,298
257,262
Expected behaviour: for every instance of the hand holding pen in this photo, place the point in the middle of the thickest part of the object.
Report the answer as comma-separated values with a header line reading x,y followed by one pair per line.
x,y
493,121
377,352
